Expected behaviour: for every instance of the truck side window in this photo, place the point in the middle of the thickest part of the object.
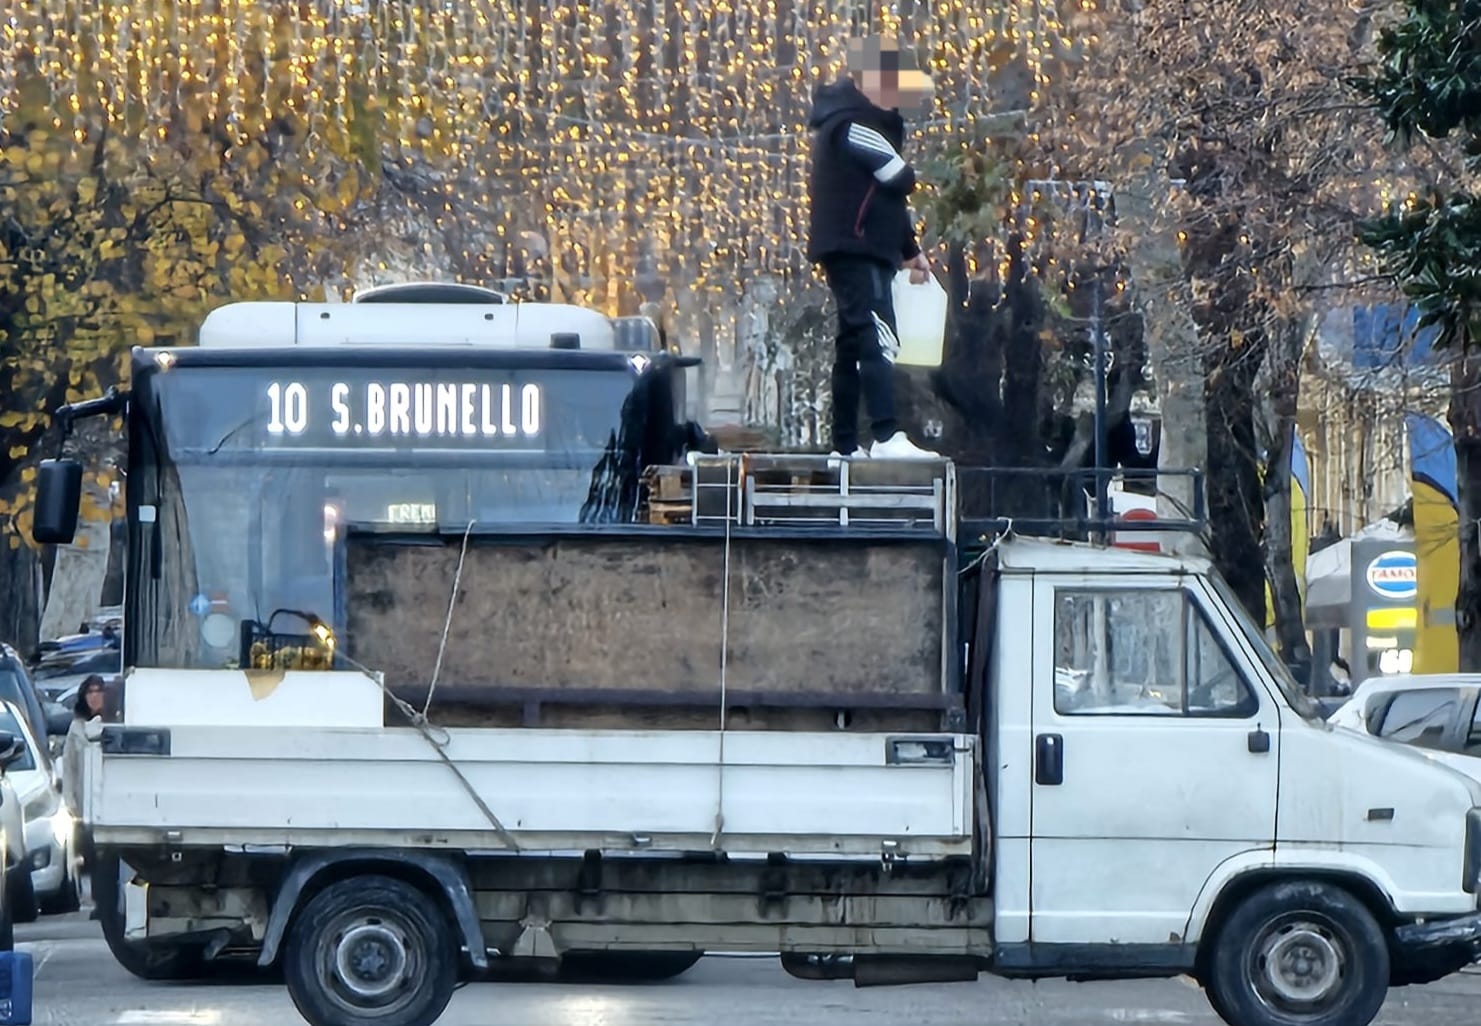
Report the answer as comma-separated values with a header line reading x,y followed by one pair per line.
x,y
1139,653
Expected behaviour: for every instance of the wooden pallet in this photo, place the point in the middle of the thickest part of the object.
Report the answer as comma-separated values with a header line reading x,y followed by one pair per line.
x,y
669,484
667,513
667,496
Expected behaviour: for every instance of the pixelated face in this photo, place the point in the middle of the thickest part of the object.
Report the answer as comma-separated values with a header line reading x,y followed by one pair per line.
x,y
888,75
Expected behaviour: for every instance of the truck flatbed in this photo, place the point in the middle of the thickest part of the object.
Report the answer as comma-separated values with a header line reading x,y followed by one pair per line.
x,y
807,794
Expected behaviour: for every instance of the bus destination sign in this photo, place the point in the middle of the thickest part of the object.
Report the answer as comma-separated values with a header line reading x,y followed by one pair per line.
x,y
403,413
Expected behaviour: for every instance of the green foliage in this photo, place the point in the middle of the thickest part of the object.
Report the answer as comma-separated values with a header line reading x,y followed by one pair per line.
x,y
1430,85
1430,82
974,180
1434,249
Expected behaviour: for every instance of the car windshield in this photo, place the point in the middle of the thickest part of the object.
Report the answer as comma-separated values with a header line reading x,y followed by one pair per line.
x,y
1299,700
26,760
1422,717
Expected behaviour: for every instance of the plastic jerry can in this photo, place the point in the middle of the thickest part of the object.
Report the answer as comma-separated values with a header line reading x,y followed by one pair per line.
x,y
920,320
16,973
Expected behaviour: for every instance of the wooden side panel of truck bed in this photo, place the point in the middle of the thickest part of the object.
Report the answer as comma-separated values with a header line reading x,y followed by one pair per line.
x,y
615,616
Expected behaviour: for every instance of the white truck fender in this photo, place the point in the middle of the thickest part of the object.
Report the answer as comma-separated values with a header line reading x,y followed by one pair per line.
x,y
1282,865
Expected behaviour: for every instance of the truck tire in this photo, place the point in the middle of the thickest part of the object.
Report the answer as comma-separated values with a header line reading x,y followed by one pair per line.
x,y
371,951
20,895
7,927
67,898
1301,953
627,966
148,960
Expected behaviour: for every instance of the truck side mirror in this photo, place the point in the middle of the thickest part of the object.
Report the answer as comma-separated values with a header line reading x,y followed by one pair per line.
x,y
58,498
10,748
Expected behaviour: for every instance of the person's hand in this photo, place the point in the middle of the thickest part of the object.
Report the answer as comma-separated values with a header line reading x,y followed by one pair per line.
x,y
920,269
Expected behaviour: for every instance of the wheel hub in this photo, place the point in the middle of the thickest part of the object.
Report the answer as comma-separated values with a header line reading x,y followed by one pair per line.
x,y
1302,964
370,960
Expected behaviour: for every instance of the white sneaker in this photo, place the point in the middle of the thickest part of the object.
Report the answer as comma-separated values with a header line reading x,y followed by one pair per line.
x,y
898,447
835,458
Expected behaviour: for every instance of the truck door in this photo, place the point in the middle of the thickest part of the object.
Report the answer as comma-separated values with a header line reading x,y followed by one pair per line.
x,y
1154,758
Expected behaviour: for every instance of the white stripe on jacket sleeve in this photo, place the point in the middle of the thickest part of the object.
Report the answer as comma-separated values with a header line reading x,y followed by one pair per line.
x,y
876,150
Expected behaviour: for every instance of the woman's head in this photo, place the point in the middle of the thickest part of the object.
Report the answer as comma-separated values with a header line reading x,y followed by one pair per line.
x,y
90,698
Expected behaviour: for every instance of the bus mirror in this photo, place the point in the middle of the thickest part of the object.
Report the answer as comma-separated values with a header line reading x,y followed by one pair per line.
x,y
58,495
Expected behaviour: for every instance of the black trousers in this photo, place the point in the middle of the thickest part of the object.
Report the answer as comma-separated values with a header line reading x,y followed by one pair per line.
x,y
864,348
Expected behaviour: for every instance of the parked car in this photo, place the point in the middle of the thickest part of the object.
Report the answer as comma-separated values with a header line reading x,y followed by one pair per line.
x,y
1438,712
58,682
47,718
17,879
49,830
92,637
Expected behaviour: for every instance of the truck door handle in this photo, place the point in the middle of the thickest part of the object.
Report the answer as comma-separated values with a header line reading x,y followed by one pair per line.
x,y
1049,760
1259,741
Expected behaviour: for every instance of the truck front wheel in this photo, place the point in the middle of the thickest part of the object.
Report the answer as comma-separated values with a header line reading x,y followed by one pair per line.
x,y
370,951
1299,954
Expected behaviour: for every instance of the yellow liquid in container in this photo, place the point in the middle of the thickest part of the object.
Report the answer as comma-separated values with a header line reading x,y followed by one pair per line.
x,y
920,320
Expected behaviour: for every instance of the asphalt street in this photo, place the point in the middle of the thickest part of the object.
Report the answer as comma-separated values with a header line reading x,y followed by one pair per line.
x,y
79,984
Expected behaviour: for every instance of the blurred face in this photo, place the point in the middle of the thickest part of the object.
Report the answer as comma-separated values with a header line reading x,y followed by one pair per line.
x,y
882,87
876,63
94,698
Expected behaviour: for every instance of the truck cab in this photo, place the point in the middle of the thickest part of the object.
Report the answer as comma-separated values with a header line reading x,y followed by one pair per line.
x,y
1157,766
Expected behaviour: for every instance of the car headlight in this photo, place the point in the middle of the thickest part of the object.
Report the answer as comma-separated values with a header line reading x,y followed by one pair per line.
x,y
40,805
62,825
40,858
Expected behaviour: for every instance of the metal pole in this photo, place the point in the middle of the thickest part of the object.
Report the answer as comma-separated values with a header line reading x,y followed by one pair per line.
x,y
1102,499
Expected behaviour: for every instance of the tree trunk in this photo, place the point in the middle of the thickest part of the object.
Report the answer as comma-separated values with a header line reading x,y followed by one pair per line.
x,y
77,580
20,583
1465,425
1283,360
1234,495
1160,293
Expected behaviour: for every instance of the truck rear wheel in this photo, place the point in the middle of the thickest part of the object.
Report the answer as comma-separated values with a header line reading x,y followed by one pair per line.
x,y
370,951
1299,954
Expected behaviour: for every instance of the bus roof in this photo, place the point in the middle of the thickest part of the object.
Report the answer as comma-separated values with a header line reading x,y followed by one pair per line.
x,y
278,325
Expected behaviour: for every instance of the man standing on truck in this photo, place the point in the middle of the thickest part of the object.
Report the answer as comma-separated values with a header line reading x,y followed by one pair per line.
x,y
861,233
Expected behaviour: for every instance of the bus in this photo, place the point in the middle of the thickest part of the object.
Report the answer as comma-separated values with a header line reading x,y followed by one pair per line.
x,y
414,409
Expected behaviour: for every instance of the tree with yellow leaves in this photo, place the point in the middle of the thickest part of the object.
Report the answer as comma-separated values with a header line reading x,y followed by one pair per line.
x,y
122,232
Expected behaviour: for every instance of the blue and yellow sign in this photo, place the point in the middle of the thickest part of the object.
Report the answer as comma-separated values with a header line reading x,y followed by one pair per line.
x,y
1436,544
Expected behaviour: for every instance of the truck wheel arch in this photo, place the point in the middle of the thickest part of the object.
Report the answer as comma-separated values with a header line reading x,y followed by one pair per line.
x,y
1243,883
446,879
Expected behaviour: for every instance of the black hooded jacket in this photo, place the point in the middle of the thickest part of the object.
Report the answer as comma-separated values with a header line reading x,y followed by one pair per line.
x,y
859,181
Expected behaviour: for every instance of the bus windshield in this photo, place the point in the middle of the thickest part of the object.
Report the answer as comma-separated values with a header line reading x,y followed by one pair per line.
x,y
249,479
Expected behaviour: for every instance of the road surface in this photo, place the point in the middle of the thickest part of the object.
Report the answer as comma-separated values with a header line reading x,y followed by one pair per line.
x,y
78,984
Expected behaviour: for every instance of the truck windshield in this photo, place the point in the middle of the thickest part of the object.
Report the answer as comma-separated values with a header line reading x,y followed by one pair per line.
x,y
1304,705
249,479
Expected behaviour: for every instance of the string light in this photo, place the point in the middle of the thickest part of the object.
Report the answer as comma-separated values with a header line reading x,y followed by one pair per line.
x,y
553,142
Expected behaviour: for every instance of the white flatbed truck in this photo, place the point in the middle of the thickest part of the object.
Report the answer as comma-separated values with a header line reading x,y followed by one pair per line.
x,y
513,724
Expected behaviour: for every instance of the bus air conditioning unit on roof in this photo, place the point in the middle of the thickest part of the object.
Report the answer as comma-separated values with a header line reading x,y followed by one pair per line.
x,y
430,292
